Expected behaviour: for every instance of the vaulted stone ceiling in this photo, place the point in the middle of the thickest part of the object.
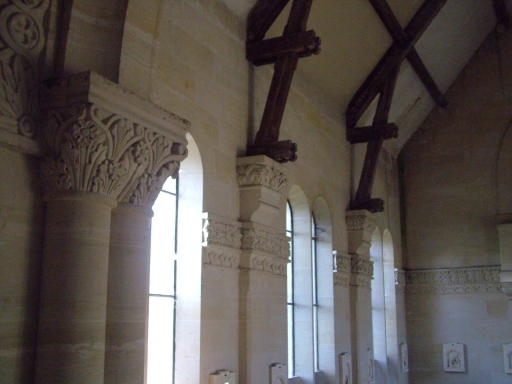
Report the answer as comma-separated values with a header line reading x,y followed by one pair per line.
x,y
354,39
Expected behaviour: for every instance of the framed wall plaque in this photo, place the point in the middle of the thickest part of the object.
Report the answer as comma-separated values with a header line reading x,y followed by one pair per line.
x,y
454,358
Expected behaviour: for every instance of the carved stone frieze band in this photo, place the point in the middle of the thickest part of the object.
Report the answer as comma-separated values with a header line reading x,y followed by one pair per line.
x,y
457,280
266,175
269,264
221,257
94,142
221,232
361,265
257,237
342,268
400,281
22,41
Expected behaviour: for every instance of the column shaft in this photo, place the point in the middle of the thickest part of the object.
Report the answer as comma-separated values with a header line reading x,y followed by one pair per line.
x,y
71,338
128,289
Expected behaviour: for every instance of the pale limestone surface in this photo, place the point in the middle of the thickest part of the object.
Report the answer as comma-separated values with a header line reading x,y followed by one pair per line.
x,y
452,194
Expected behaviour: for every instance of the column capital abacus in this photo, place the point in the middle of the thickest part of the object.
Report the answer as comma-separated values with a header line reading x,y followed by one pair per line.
x,y
100,138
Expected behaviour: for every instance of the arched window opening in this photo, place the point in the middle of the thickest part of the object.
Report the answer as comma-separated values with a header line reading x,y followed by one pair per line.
x,y
162,286
314,281
378,308
290,301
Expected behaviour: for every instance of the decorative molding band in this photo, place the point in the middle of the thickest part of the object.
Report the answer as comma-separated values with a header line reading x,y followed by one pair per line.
x,y
362,281
360,221
93,150
362,266
507,290
457,280
342,262
22,42
261,172
400,281
341,278
259,262
221,258
220,231
257,237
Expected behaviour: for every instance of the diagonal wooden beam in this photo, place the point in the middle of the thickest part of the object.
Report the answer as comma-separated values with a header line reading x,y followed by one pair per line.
x,y
267,137
501,12
271,48
394,55
398,34
364,191
262,16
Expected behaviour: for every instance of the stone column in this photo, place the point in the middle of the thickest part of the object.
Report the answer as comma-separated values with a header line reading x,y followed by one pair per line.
x,y
103,145
360,226
265,252
505,234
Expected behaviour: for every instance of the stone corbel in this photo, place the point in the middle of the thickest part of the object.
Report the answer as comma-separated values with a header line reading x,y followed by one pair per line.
x,y
505,236
360,227
22,40
98,137
223,377
261,181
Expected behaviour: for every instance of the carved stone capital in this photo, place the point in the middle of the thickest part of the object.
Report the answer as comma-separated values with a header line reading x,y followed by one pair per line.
x,y
342,278
92,148
223,377
260,171
22,41
360,227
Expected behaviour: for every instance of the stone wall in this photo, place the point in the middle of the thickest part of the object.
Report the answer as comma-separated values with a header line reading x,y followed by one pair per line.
x,y
451,189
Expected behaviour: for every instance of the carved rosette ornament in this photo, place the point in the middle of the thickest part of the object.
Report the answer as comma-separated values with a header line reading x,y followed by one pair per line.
x,y
22,42
92,150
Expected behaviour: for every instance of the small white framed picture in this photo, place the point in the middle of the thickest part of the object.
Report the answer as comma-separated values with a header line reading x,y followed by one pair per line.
x,y
345,361
507,357
404,358
454,359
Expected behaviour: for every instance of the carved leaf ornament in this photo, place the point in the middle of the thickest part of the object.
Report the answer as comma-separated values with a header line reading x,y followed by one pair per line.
x,y
92,150
22,39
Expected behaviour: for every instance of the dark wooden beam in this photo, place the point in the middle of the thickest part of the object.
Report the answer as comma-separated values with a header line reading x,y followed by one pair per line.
x,y
276,100
262,16
394,55
374,148
280,151
398,34
271,48
501,12
300,55
267,137
373,132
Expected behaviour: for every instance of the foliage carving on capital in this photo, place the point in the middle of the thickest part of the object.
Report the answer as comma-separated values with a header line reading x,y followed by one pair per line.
x,y
360,221
342,262
22,40
260,175
90,149
256,238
